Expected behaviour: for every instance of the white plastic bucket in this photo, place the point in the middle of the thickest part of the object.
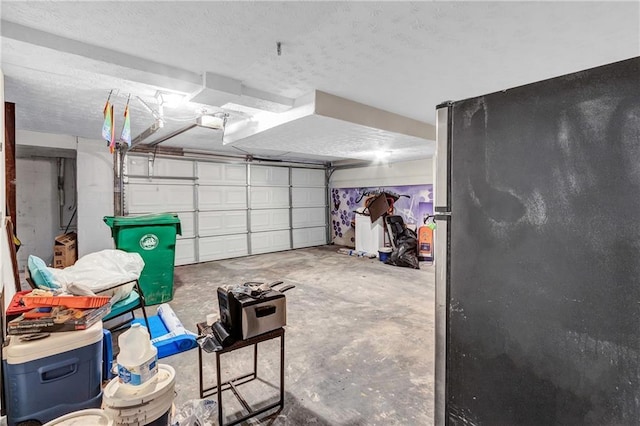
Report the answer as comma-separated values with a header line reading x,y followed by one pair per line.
x,y
143,407
91,417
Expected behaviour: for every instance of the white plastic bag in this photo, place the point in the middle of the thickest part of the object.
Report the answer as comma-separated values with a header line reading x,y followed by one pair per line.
x,y
99,271
197,412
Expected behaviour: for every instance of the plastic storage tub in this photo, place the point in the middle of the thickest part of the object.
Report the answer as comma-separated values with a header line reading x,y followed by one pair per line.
x,y
53,376
384,253
154,238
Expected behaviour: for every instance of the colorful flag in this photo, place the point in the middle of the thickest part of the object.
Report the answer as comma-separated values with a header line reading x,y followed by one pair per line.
x,y
125,136
108,122
112,144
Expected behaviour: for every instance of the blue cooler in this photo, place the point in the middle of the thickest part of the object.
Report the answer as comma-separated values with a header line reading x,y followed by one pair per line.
x,y
47,378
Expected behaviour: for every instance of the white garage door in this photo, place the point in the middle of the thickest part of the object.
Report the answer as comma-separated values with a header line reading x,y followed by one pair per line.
x,y
230,210
308,207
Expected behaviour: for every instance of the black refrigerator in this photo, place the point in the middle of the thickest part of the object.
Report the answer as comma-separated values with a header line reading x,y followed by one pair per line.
x,y
538,253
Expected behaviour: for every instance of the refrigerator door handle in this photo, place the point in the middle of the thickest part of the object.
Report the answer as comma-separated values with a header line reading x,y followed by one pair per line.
x,y
442,159
441,263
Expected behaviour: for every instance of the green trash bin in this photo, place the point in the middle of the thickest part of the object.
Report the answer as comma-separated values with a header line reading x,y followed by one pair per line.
x,y
152,236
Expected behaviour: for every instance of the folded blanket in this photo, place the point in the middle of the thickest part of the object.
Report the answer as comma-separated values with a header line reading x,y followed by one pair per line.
x,y
167,346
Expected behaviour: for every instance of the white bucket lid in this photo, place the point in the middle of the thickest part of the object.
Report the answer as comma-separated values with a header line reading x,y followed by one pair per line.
x,y
143,418
385,249
162,403
91,417
115,395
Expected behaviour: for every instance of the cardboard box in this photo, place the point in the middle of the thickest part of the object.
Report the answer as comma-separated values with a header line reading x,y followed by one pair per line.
x,y
65,252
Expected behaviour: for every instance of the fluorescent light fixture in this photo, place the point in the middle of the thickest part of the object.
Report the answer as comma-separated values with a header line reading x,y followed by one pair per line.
x,y
211,121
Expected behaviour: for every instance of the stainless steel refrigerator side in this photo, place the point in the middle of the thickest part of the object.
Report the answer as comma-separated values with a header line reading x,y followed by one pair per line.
x,y
441,210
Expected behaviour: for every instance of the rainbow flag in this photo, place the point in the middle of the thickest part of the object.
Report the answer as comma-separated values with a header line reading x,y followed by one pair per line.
x,y
125,136
112,142
108,122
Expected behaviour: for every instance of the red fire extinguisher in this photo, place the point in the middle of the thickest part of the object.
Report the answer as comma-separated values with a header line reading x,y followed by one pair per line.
x,y
425,239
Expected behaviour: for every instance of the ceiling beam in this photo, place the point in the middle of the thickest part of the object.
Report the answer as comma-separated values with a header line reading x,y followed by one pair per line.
x,y
153,73
207,88
333,106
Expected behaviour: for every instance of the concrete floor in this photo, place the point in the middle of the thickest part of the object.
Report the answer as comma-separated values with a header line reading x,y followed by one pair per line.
x,y
359,338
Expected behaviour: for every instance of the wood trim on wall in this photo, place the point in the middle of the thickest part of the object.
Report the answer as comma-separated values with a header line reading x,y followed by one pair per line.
x,y
10,159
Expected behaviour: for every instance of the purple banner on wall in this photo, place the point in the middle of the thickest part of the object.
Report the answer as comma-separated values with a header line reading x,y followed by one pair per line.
x,y
344,202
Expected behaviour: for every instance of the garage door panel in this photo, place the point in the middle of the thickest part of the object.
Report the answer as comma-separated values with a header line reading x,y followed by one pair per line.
x,y
309,237
222,197
137,165
187,224
173,168
308,197
222,174
159,181
266,242
222,222
185,251
269,197
153,198
222,247
269,220
307,177
265,175
165,167
308,217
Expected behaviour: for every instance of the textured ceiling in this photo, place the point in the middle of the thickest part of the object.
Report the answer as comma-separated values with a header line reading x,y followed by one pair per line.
x,y
397,56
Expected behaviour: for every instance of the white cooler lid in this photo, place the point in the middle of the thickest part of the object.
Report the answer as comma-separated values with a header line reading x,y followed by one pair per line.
x,y
20,351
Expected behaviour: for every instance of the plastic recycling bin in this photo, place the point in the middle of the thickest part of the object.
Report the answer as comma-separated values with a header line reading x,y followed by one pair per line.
x,y
152,236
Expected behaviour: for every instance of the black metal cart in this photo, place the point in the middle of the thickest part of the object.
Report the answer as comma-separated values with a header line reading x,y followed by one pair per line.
x,y
232,384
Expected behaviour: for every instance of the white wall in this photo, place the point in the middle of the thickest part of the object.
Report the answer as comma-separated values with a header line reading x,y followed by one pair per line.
x,y
417,172
95,195
45,140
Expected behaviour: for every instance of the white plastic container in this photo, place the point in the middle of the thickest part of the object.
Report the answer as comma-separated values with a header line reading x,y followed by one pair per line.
x,y
369,236
137,360
91,417
149,406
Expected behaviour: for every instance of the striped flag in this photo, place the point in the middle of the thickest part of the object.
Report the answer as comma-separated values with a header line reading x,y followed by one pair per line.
x,y
125,136
108,122
112,142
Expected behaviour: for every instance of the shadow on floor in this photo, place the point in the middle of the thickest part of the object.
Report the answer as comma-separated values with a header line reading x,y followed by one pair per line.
x,y
293,413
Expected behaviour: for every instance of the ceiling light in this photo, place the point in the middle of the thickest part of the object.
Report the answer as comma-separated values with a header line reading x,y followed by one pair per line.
x,y
383,155
169,99
212,121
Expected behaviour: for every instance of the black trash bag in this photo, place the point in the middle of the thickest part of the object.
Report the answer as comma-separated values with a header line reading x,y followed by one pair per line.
x,y
406,252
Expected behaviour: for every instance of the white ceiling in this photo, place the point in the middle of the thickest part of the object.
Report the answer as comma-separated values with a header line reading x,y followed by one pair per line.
x,y
62,58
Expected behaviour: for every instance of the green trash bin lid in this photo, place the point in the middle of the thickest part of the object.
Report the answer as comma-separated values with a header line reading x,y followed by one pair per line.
x,y
148,219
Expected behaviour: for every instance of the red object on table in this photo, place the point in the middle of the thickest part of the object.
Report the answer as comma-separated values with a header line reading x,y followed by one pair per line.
x,y
16,307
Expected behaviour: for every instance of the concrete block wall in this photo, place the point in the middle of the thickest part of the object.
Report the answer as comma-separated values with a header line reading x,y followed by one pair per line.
x,y
39,217
37,207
